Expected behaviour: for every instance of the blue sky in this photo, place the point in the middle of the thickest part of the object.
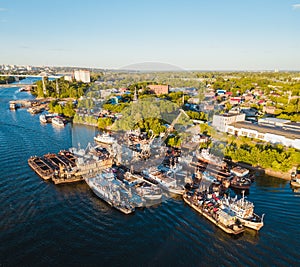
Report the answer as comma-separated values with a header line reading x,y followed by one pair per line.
x,y
202,35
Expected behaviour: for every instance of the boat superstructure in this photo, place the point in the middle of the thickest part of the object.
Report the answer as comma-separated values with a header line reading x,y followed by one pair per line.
x,y
208,206
109,189
244,210
165,181
105,138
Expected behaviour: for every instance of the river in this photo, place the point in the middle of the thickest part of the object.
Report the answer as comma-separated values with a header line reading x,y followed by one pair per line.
x,y
43,224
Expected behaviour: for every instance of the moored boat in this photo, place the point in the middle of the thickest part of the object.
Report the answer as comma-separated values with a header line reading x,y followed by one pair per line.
x,y
239,171
166,182
208,158
240,183
244,210
43,118
109,189
41,167
58,122
209,208
295,179
104,138
143,187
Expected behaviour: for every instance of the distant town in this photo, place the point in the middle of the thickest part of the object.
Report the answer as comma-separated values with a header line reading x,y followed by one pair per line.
x,y
259,109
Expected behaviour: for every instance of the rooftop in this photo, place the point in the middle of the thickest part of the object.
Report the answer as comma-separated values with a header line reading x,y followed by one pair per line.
x,y
273,120
267,129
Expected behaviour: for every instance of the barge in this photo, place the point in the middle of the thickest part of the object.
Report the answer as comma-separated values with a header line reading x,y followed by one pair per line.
x,y
41,167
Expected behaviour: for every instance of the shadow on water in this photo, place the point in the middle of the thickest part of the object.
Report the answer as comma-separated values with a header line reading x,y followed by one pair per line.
x,y
269,181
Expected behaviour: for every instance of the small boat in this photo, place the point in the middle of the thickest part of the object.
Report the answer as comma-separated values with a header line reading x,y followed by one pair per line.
x,y
244,210
43,118
58,122
13,106
105,138
295,179
35,110
240,183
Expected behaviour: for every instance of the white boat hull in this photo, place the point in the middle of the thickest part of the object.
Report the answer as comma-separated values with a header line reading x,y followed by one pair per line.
x,y
252,225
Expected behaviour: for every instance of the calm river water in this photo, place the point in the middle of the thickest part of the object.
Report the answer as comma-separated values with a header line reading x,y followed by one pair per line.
x,y
67,225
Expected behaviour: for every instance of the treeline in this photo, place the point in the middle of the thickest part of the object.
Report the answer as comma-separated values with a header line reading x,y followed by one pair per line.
x,y
277,158
60,89
65,108
86,119
7,79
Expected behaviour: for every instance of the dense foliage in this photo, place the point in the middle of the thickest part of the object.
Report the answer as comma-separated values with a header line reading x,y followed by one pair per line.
x,y
67,109
60,89
103,123
277,158
6,79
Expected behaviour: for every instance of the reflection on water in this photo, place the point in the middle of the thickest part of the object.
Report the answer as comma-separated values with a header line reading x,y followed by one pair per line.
x,y
43,224
269,181
82,135
296,190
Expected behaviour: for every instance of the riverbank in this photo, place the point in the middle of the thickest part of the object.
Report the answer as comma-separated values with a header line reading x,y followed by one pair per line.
x,y
269,172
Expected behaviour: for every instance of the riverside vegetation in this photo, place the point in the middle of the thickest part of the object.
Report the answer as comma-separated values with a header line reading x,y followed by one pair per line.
x,y
282,91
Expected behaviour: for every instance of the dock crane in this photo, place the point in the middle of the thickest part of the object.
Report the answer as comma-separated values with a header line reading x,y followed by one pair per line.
x,y
171,128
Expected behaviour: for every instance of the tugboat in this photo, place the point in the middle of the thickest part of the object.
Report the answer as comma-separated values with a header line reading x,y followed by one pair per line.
x,y
244,210
241,179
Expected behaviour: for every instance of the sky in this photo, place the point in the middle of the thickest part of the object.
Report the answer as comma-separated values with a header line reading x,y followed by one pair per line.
x,y
190,34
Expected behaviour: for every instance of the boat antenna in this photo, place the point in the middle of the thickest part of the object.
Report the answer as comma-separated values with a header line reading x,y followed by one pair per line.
x,y
243,195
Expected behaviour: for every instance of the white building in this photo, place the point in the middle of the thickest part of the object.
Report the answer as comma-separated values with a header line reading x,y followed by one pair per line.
x,y
82,76
220,122
68,78
273,121
273,135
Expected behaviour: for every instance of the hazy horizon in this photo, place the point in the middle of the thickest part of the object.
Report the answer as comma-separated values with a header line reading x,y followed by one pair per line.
x,y
191,35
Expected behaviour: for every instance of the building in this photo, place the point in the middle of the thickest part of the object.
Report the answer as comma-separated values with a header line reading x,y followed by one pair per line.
x,y
235,100
159,89
220,122
269,109
274,135
273,122
68,78
82,76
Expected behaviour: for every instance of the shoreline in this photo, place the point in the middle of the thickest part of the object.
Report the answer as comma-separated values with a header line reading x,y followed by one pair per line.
x,y
269,172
